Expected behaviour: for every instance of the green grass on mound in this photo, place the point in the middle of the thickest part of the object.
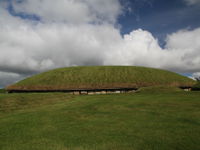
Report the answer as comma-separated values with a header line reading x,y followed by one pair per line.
x,y
100,77
167,120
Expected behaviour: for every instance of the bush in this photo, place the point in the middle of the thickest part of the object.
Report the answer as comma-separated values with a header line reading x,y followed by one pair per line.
x,y
196,87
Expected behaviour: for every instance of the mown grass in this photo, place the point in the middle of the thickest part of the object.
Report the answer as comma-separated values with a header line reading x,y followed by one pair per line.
x,y
147,120
99,77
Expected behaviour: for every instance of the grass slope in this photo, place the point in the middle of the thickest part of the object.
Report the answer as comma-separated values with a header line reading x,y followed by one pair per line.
x,y
158,121
100,77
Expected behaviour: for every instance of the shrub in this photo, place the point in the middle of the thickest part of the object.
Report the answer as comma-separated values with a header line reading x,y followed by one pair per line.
x,y
196,87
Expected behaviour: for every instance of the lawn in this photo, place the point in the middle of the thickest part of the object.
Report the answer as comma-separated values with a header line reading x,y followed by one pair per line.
x,y
145,120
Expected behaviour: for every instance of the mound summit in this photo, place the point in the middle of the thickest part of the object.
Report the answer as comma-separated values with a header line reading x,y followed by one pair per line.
x,y
100,78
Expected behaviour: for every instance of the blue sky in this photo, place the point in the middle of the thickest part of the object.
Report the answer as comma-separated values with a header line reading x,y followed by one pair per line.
x,y
39,35
23,15
160,17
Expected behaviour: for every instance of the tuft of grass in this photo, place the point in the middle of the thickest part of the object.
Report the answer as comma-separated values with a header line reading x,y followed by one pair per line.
x,y
57,121
102,77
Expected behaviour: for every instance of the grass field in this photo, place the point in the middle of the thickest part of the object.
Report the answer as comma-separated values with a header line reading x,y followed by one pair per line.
x,y
147,120
100,77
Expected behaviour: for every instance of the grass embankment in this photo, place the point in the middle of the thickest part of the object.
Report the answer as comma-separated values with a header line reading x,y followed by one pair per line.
x,y
158,121
101,77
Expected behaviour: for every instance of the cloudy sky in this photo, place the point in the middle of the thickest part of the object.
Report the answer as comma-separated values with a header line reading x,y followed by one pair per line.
x,y
38,35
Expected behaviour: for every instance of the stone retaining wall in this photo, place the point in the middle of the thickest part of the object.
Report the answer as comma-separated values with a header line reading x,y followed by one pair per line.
x,y
100,92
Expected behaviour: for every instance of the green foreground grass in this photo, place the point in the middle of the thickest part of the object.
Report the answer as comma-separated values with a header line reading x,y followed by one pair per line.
x,y
142,121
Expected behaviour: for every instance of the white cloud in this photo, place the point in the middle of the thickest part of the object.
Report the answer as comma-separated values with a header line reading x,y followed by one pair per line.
x,y
181,54
71,11
196,75
50,46
185,48
65,38
137,48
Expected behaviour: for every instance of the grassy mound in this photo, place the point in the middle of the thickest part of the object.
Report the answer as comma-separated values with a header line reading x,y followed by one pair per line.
x,y
101,77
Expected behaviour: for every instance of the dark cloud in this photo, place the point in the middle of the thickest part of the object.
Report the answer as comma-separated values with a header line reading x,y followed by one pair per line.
x,y
7,78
